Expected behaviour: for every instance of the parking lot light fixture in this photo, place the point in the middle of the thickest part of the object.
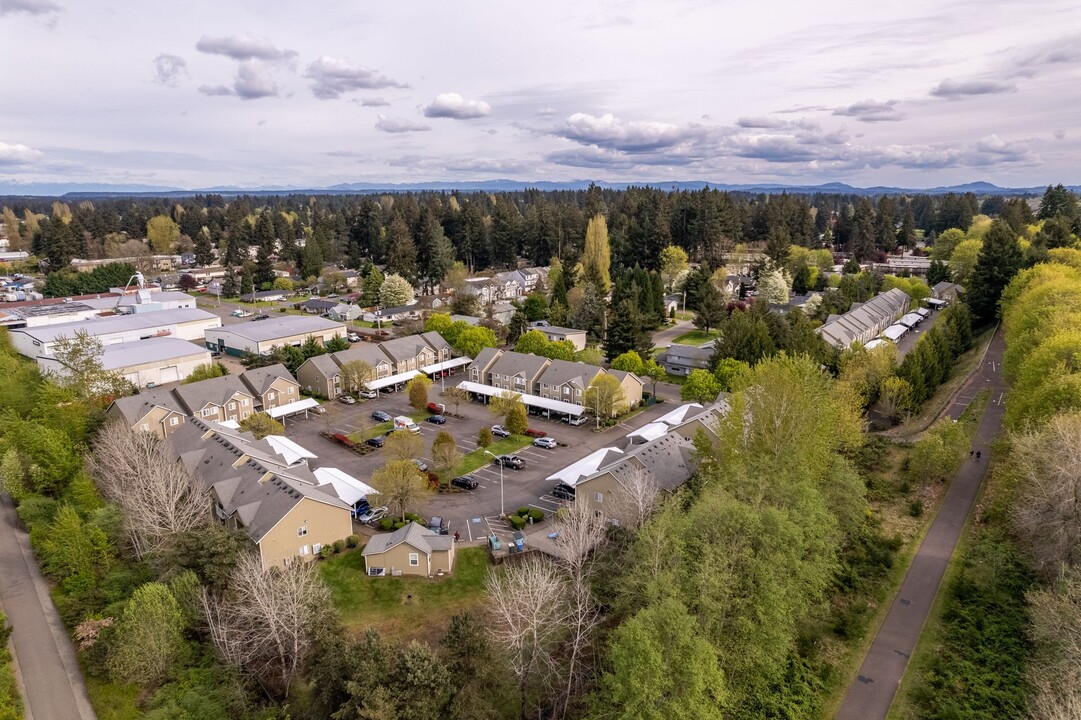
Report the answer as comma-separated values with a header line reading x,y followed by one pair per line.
x,y
502,512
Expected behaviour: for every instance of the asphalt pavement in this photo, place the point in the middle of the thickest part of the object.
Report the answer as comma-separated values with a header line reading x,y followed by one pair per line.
x,y
871,694
44,657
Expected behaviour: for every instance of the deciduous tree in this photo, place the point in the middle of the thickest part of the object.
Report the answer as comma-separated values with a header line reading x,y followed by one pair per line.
x,y
401,485
700,386
260,425
149,637
417,389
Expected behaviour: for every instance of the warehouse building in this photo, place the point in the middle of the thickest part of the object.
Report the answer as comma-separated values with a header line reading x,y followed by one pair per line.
x,y
185,324
146,363
262,336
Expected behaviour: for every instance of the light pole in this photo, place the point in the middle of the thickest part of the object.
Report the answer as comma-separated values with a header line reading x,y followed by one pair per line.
x,y
501,511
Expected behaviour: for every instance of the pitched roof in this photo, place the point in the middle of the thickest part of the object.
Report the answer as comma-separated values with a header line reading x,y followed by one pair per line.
x,y
412,534
435,341
370,353
843,330
511,363
217,391
405,348
621,375
135,407
564,371
260,379
324,363
485,356
557,330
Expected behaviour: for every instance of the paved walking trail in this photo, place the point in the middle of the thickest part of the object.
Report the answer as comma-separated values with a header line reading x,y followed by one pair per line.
x,y
871,694
45,659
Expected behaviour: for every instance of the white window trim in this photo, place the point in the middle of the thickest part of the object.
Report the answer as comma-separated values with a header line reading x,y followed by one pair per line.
x,y
303,550
174,420
302,531
599,497
414,559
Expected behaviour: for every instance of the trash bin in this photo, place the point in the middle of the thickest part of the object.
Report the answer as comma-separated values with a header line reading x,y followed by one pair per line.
x,y
493,542
519,540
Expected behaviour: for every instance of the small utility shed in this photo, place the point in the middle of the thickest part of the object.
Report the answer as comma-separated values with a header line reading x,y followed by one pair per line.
x,y
410,550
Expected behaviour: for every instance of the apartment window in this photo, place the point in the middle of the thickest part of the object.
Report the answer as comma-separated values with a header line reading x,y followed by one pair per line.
x,y
207,412
414,559
232,406
566,391
290,390
303,550
544,386
174,421
302,531
271,395
316,547
578,393
244,403
599,497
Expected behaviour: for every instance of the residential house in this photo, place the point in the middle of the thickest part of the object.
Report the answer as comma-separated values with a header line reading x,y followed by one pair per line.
x,y
343,312
261,337
218,399
274,498
865,321
394,314
631,385
518,372
272,386
567,381
409,550
437,343
504,286
154,411
555,334
265,296
681,359
946,291
318,306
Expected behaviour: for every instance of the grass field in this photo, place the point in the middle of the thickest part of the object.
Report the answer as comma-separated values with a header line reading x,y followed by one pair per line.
x,y
696,337
478,458
404,607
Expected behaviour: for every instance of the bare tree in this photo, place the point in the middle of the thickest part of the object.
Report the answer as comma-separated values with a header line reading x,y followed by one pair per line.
x,y
1055,665
635,500
457,396
264,625
141,474
1047,513
527,602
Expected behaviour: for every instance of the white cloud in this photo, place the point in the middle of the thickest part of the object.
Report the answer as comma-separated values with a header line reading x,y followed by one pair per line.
x,y
453,105
30,7
399,125
374,102
169,68
608,131
871,111
243,47
17,154
955,89
333,76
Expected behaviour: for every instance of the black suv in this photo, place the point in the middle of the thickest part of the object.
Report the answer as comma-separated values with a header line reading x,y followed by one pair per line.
x,y
563,492
511,461
380,416
261,316
376,442
465,482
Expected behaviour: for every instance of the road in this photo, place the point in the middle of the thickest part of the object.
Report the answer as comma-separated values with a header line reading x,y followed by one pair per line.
x,y
666,336
871,694
44,655
909,340
474,514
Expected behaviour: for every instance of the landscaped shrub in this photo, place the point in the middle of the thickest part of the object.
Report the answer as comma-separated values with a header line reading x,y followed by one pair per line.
x,y
386,524
517,521
326,551
338,545
522,511
36,510
536,515
413,517
352,541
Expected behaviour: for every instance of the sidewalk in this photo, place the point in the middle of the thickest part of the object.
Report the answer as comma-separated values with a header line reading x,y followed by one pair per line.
x,y
44,656
871,694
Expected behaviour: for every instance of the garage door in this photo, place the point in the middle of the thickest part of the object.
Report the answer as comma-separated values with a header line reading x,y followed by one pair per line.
x,y
169,374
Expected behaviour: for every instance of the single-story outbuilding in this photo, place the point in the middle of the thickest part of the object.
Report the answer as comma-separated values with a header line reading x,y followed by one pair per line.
x,y
146,363
184,323
263,336
410,550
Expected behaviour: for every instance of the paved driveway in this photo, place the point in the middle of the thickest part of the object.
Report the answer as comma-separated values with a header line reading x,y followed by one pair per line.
x,y
473,514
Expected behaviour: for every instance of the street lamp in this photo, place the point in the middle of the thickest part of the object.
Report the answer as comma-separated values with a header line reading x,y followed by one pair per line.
x,y
501,511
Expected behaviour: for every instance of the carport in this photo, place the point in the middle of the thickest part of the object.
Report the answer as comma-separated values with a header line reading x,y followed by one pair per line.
x,y
585,467
347,487
392,380
445,365
894,332
530,400
293,408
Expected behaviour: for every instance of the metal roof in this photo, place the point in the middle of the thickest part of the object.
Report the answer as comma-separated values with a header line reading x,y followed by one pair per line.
x,y
279,327
119,323
534,400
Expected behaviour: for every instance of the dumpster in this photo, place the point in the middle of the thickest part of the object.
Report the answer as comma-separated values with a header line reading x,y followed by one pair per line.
x,y
519,540
493,542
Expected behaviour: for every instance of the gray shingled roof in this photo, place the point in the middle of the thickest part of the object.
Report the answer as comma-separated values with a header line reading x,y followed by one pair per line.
x,y
413,534
435,341
562,371
217,391
260,379
370,353
862,318
485,356
405,348
325,364
137,406
511,363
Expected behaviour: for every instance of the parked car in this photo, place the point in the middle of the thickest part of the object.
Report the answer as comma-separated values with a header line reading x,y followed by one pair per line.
x,y
319,410
500,431
238,313
563,492
421,465
438,525
368,394
545,442
353,337
377,441
347,399
261,316
465,482
511,461
576,421
380,416
437,419
373,515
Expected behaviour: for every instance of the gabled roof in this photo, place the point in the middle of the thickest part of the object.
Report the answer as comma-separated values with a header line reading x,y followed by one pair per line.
x,y
370,353
557,330
435,341
564,371
216,391
512,363
412,534
324,364
259,380
135,407
319,304
484,357
689,353
621,375
405,348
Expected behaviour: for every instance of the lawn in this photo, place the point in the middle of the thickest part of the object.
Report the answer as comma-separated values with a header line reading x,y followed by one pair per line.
x,y
696,337
478,458
404,607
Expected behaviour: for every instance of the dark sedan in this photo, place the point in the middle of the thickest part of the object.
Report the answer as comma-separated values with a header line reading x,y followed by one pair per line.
x,y
437,419
380,416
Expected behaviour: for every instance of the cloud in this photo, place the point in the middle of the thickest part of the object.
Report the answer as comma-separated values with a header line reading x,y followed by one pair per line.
x,y
253,81
763,122
243,47
30,7
333,76
453,105
374,102
547,112
215,90
12,155
871,111
399,125
169,68
954,89
609,132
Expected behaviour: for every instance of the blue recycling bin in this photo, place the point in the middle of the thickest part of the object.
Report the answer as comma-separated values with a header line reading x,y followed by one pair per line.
x,y
519,540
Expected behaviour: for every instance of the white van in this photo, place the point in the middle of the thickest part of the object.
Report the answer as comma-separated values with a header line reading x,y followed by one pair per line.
x,y
403,422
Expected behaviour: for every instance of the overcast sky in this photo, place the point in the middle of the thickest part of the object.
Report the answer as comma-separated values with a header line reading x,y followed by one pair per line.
x,y
238,92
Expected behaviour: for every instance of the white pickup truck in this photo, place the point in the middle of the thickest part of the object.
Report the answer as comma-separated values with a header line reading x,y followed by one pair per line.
x,y
238,313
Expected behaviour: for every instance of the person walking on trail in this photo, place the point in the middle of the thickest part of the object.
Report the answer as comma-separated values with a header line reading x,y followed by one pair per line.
x,y
457,536
977,456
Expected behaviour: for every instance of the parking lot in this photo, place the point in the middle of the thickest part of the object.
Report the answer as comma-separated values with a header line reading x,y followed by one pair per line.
x,y
476,513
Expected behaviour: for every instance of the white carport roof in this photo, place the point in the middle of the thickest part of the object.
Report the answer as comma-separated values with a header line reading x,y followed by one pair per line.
x,y
650,432
346,486
392,380
935,302
534,400
585,467
288,449
911,320
678,415
292,408
877,342
446,365
894,332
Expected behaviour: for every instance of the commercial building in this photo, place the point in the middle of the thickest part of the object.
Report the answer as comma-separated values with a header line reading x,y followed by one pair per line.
x,y
262,336
186,324
145,363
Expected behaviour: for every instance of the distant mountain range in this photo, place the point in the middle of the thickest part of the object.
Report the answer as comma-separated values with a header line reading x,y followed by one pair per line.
x,y
89,190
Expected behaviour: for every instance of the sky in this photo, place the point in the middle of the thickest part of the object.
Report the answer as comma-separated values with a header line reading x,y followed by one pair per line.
x,y
311,94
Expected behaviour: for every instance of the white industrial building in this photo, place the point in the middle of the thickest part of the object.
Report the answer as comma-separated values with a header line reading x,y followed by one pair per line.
x,y
262,336
186,324
68,310
146,363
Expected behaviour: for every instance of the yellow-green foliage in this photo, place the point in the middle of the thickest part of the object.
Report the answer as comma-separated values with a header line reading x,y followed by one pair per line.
x,y
916,288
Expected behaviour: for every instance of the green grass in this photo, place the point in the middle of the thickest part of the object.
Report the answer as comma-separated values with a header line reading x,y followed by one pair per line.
x,y
478,458
9,689
113,701
384,603
696,337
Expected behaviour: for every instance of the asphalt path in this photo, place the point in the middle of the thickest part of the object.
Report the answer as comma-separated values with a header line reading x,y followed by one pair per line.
x,y
872,692
45,660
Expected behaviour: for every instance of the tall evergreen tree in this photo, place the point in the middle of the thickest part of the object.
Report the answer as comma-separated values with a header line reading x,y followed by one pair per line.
x,y
625,331
204,253
778,245
906,234
264,268
999,260
402,253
